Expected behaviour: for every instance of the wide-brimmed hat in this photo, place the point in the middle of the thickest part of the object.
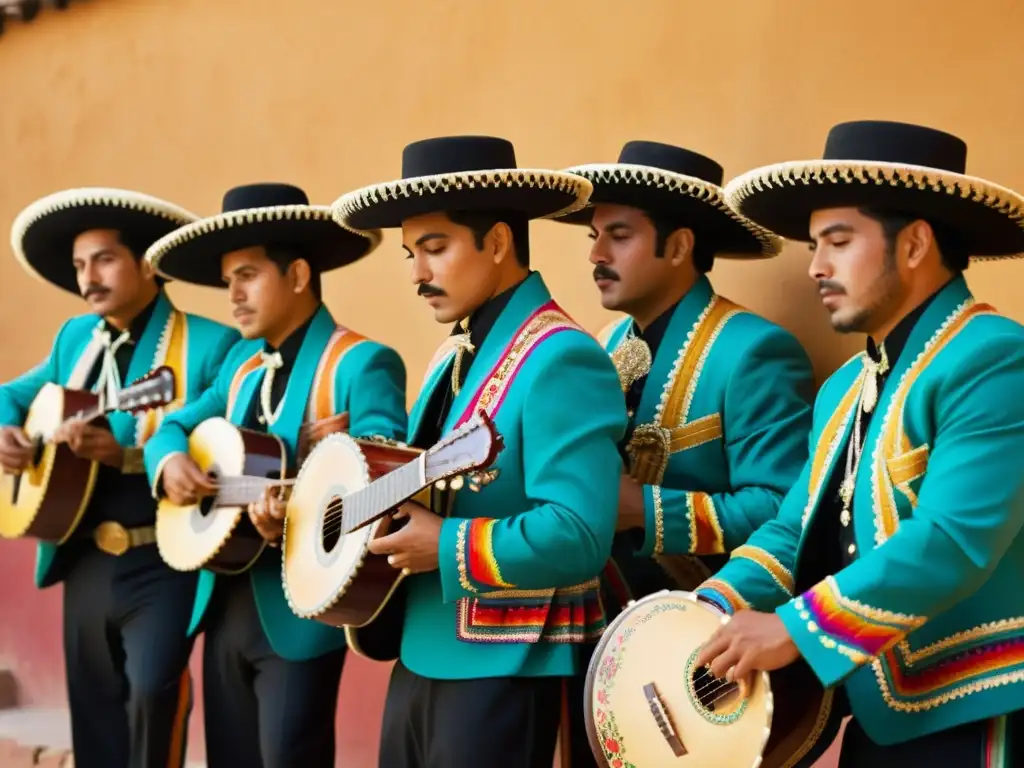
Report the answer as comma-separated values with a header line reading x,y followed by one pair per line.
x,y
259,214
454,173
43,234
677,185
892,166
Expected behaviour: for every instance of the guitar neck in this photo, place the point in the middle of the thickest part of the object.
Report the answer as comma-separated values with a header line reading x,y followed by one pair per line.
x,y
375,500
239,491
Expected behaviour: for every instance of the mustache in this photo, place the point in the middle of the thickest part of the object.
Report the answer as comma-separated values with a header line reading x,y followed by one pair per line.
x,y
830,285
95,290
602,272
425,289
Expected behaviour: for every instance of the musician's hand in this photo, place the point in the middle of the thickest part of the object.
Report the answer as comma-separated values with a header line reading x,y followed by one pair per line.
x,y
184,482
631,505
414,547
88,441
750,642
15,449
267,514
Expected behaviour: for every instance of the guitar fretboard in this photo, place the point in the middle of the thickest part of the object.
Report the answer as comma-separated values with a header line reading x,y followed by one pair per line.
x,y
384,493
238,491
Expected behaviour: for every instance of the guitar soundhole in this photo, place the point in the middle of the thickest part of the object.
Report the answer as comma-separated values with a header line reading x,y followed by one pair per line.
x,y
206,503
330,531
717,700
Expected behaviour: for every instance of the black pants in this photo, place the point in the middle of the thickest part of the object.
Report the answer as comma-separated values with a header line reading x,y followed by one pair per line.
x,y
262,711
497,722
973,745
126,653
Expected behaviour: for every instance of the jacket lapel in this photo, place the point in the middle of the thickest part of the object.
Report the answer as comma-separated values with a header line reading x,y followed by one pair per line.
x,y
663,366
300,382
439,373
142,362
530,295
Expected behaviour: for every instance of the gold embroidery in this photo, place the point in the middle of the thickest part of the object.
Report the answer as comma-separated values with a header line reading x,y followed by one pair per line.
x,y
892,440
770,563
526,339
460,556
905,469
632,360
651,444
931,702
828,443
659,521
706,537
965,637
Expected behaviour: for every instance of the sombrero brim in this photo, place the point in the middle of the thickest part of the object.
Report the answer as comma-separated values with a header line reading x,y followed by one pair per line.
x,y
536,193
988,218
694,202
193,253
43,234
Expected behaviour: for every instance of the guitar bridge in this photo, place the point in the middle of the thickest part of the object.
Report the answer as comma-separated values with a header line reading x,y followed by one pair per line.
x,y
661,717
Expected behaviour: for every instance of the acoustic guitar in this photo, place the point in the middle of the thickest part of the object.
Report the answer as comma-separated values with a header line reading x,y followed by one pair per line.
x,y
341,501
646,704
47,499
216,532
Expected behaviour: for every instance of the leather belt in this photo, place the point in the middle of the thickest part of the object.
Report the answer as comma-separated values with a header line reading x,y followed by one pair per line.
x,y
114,539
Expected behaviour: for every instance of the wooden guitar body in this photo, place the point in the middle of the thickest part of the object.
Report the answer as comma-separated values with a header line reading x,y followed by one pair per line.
x,y
344,497
46,501
328,576
646,704
216,533
30,504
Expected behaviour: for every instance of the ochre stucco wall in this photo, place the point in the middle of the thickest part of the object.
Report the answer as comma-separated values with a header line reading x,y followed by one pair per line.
x,y
184,99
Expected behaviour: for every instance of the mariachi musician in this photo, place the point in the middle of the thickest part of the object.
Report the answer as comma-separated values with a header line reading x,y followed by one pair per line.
x,y
125,612
718,398
903,530
271,678
502,592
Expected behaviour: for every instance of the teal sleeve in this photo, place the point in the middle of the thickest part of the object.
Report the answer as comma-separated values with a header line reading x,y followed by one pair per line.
x,y
172,435
573,418
377,393
970,509
16,396
766,421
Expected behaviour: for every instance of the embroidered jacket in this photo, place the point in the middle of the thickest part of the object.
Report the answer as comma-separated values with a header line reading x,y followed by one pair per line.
x,y
362,377
925,628
517,583
723,419
192,346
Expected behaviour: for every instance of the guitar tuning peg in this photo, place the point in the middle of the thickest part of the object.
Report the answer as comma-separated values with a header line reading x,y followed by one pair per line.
x,y
457,482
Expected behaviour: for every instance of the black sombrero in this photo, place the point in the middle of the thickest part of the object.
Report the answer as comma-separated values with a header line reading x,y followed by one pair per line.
x,y
679,185
900,167
43,234
258,214
461,173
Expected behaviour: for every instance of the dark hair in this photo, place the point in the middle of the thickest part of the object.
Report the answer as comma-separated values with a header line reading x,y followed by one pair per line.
x,y
285,255
482,222
954,254
137,248
703,255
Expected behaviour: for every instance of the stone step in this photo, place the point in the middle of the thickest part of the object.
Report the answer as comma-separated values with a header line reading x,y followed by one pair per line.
x,y
40,737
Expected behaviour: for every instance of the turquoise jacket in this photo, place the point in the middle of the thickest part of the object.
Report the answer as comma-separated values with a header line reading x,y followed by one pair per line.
x,y
925,628
369,383
516,589
193,346
730,393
